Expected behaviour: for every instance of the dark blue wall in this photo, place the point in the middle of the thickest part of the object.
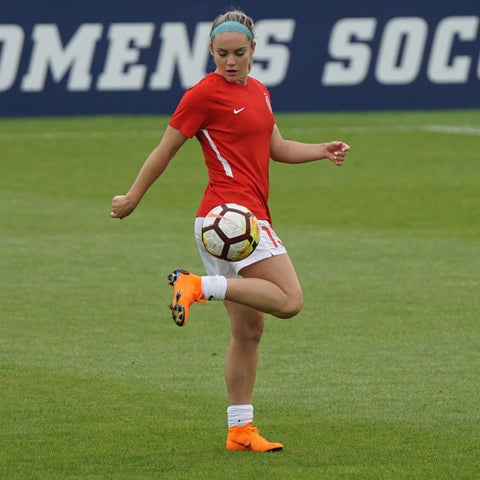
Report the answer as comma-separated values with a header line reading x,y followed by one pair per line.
x,y
87,57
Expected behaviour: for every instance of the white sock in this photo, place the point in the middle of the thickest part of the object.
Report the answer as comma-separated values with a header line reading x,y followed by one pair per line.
x,y
214,287
238,415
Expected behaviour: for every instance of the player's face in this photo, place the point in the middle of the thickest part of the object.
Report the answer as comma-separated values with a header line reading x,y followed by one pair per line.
x,y
232,52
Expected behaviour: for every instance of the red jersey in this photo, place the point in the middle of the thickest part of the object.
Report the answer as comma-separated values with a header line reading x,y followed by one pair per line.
x,y
233,124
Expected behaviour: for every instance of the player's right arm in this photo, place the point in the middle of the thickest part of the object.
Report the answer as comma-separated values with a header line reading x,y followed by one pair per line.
x,y
154,166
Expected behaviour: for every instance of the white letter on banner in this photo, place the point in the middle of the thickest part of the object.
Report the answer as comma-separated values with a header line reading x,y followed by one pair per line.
x,y
11,43
354,56
478,68
121,71
176,51
393,69
48,52
276,57
443,67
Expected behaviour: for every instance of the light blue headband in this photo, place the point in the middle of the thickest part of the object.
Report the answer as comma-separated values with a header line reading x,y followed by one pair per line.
x,y
232,27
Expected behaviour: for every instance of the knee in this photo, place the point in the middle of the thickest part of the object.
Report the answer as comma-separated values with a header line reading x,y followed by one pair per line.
x,y
291,307
249,331
254,335
248,339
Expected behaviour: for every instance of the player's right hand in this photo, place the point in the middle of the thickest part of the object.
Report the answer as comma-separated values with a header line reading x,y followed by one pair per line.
x,y
122,206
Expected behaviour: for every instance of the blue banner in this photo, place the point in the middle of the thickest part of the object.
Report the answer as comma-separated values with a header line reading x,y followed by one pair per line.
x,y
71,58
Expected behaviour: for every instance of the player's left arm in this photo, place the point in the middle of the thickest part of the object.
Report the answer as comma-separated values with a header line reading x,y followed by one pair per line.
x,y
290,151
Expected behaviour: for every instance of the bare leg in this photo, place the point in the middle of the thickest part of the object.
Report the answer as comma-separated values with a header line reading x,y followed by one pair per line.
x,y
270,286
241,364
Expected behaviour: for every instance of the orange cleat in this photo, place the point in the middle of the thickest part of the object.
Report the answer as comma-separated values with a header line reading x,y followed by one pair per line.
x,y
247,437
187,289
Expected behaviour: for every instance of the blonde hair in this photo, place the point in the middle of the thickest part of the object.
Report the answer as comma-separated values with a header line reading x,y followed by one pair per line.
x,y
234,16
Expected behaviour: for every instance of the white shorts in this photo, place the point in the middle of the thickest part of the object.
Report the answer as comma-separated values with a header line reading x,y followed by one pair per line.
x,y
269,245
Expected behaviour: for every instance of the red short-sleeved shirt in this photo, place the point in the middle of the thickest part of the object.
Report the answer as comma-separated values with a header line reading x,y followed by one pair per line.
x,y
233,124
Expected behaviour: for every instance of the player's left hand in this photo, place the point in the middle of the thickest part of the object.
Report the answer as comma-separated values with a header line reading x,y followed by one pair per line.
x,y
336,152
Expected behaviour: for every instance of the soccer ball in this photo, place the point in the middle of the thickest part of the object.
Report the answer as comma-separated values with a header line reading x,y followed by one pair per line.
x,y
230,232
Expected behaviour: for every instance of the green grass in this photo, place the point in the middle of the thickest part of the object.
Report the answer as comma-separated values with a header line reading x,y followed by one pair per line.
x,y
377,377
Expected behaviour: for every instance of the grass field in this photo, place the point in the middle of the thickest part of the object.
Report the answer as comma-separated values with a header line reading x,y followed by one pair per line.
x,y
377,378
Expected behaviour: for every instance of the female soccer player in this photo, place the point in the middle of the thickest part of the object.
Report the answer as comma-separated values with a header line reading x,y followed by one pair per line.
x,y
230,114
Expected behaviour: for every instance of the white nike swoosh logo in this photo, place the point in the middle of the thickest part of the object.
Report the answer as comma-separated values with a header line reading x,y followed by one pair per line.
x,y
235,111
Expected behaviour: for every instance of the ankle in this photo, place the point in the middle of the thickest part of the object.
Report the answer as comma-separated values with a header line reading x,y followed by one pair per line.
x,y
214,287
239,415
